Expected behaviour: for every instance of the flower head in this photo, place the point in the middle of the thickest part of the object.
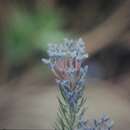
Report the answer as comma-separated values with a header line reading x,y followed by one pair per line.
x,y
66,60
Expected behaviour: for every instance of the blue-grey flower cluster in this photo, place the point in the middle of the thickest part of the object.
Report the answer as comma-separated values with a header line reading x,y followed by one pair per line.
x,y
66,62
103,123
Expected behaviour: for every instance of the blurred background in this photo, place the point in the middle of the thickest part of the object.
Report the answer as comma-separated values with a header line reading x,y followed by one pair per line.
x,y
28,92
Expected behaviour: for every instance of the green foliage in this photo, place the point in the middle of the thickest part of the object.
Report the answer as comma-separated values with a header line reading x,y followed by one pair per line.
x,y
28,32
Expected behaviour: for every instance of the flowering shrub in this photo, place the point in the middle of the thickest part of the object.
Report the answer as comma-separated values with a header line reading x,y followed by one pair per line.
x,y
66,62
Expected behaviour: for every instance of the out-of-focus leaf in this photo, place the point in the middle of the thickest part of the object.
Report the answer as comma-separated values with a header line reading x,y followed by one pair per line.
x,y
29,32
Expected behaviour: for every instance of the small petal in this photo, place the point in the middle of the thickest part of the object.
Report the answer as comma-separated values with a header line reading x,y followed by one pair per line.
x,y
46,61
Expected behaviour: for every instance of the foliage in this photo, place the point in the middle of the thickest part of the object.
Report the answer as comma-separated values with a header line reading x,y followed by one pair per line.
x,y
28,32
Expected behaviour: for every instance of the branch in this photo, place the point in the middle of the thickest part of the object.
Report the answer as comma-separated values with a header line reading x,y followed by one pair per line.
x,y
110,30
